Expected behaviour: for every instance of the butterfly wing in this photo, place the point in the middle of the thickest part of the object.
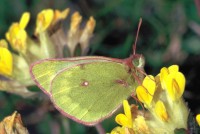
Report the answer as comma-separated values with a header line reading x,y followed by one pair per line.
x,y
45,70
90,92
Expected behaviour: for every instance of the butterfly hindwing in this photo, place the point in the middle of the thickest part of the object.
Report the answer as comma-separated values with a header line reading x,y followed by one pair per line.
x,y
90,92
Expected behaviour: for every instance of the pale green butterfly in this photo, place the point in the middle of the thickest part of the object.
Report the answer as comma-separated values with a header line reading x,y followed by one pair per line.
x,y
91,88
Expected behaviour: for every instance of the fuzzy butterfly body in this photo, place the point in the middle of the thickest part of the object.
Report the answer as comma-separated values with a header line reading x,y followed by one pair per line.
x,y
88,89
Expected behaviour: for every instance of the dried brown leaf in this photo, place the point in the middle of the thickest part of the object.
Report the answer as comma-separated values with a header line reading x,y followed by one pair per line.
x,y
12,125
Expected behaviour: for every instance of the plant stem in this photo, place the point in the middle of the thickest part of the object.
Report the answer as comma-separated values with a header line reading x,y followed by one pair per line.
x,y
197,2
100,129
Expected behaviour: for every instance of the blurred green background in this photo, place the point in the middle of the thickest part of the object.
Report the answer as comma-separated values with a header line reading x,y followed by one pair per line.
x,y
170,34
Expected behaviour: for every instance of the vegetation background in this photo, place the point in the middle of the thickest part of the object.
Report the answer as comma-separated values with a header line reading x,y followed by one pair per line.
x,y
170,34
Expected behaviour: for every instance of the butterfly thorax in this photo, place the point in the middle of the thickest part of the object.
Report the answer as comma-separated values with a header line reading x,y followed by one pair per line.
x,y
136,65
135,61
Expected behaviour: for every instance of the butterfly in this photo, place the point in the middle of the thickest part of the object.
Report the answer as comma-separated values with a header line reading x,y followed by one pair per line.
x,y
88,89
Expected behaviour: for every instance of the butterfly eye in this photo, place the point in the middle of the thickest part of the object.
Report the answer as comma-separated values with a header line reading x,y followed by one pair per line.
x,y
139,61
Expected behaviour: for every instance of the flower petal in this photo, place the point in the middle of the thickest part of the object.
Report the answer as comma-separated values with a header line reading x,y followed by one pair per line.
x,y
163,74
24,20
6,62
17,36
44,19
3,43
127,110
180,78
118,130
150,84
160,110
198,119
75,22
173,68
125,119
144,96
175,83
141,125
87,34
58,15
122,120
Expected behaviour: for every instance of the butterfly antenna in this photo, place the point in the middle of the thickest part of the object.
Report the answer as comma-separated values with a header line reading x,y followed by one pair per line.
x,y
134,46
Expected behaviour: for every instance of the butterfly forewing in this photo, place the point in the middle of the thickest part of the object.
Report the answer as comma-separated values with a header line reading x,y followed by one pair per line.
x,y
90,92
44,71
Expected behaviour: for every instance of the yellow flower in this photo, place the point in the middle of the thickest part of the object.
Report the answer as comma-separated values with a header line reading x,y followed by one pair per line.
x,y
6,61
58,15
146,91
90,25
161,111
44,20
175,84
75,23
173,68
125,119
164,72
3,43
140,125
129,124
198,119
118,130
173,81
87,33
164,114
73,35
17,35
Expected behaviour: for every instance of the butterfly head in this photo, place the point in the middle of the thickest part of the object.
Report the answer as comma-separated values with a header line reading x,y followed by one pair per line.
x,y
138,61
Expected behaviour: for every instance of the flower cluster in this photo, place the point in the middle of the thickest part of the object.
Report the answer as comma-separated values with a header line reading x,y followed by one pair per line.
x,y
162,97
50,40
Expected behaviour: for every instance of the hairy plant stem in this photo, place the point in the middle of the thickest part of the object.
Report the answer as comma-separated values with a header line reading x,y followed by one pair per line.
x,y
100,129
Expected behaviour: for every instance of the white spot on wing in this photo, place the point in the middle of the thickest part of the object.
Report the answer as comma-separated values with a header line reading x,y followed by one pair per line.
x,y
85,83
